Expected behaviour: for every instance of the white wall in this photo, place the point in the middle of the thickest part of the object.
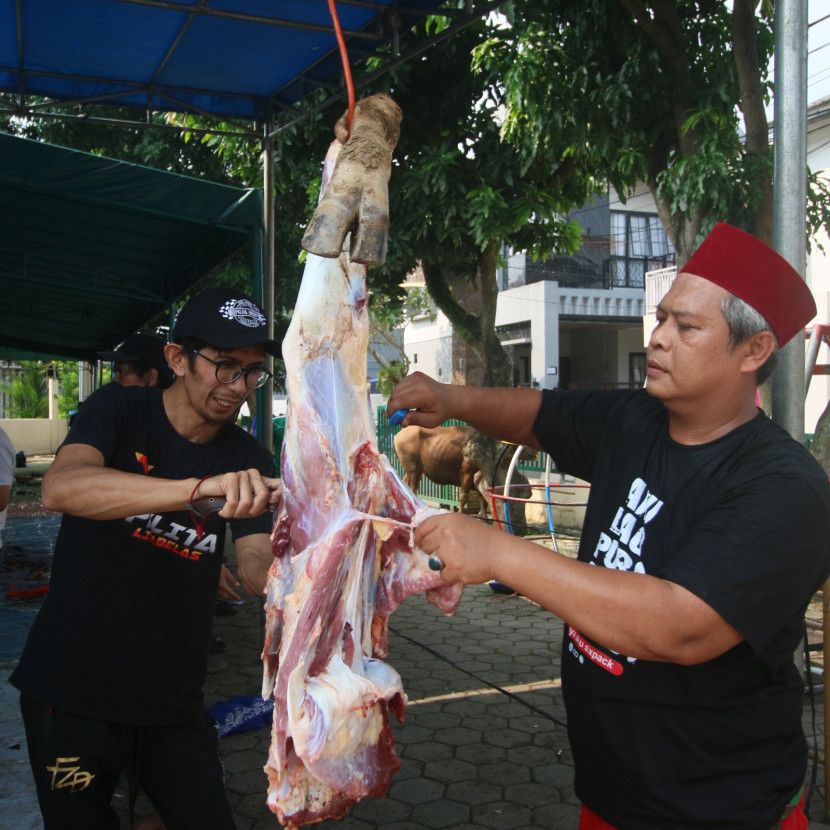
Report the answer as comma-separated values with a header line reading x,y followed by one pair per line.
x,y
640,201
431,343
35,436
598,354
538,303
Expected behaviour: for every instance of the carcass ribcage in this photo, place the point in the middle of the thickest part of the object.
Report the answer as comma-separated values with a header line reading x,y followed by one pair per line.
x,y
344,560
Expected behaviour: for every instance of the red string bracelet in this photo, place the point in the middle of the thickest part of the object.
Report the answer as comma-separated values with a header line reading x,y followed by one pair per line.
x,y
198,519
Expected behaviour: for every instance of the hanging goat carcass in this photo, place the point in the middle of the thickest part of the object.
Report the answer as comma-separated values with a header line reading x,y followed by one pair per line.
x,y
344,557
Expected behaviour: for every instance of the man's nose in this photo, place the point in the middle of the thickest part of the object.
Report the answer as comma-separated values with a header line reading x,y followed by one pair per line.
x,y
658,337
239,383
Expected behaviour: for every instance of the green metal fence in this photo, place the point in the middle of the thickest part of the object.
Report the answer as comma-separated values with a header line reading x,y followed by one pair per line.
x,y
445,495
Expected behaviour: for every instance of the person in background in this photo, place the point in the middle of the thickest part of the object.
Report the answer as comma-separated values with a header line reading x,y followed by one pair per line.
x,y
140,361
707,534
111,674
8,462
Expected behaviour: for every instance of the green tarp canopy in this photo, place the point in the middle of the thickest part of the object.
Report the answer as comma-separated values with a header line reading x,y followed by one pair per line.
x,y
91,249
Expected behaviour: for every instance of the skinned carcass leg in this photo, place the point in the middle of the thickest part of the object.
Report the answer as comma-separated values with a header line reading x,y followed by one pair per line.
x,y
344,560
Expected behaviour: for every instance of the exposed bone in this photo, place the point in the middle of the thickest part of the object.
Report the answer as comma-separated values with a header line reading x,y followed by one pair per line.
x,y
357,198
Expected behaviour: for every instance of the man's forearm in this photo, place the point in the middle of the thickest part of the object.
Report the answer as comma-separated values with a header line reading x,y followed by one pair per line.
x,y
103,493
504,413
253,559
507,414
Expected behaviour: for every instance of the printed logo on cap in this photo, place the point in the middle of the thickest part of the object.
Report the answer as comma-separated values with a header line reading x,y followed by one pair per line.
x,y
243,311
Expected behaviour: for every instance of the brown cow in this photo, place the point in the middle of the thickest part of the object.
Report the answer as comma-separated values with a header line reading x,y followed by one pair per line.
x,y
438,453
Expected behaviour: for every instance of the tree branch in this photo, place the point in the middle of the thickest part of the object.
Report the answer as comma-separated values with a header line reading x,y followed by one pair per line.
x,y
747,64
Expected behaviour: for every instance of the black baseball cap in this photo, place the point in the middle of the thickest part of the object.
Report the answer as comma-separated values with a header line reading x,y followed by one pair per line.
x,y
226,318
145,347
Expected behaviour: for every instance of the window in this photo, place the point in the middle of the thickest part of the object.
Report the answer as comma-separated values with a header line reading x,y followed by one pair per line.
x,y
636,369
638,244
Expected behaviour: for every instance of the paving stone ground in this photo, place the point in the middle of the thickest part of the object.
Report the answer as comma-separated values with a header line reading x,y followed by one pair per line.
x,y
484,742
483,745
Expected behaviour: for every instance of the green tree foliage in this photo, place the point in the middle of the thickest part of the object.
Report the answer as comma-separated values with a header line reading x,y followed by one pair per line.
x,y
458,194
27,391
68,387
668,92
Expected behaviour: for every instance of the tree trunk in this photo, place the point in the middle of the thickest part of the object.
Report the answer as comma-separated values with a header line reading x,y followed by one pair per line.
x,y
478,356
681,228
745,52
470,306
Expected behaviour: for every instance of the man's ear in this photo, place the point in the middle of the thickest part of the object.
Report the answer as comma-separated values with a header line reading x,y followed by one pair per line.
x,y
757,350
176,357
151,377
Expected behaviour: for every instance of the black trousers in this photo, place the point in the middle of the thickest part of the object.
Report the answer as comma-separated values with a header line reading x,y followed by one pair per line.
x,y
77,763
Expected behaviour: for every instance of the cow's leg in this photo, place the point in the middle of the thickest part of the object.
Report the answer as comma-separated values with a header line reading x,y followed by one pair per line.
x,y
481,486
412,479
466,483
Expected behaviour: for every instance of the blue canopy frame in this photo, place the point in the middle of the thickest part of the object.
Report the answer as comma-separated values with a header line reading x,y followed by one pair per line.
x,y
255,63
253,60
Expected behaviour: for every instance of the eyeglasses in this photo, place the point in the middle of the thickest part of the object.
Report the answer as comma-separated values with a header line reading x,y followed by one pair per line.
x,y
228,371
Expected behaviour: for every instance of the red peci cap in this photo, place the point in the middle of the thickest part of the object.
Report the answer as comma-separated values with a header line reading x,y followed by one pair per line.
x,y
758,275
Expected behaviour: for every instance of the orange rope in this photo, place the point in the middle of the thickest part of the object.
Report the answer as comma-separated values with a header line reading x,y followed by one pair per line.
x,y
344,57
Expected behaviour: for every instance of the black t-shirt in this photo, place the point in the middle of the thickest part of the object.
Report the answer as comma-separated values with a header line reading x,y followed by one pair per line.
x,y
124,632
742,522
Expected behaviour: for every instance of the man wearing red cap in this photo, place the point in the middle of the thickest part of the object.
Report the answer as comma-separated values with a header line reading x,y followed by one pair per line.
x,y
706,535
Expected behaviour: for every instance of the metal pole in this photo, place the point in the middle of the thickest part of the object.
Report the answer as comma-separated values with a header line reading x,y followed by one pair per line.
x,y
265,397
789,238
790,194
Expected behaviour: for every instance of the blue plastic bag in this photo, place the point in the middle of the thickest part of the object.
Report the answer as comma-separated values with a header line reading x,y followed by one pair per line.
x,y
242,713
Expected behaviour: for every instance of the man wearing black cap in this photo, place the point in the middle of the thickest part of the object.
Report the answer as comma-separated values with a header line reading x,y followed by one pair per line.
x,y
140,361
707,534
112,672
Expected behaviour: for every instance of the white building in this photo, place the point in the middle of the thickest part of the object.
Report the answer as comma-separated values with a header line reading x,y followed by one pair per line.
x,y
570,321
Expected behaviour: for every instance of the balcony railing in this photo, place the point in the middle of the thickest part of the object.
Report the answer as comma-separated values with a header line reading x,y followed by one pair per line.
x,y
582,272
630,272
658,284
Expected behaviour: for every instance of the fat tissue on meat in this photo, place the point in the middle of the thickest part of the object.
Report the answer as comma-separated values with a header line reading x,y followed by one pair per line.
x,y
343,553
